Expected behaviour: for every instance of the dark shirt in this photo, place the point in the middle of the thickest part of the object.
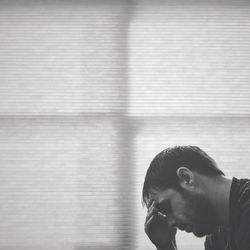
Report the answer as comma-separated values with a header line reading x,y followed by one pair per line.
x,y
237,237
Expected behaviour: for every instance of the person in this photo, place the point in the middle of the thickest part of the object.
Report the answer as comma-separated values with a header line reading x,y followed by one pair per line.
x,y
184,189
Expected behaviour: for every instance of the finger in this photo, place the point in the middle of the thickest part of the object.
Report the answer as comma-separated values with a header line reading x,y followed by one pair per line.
x,y
164,216
153,214
150,215
152,211
150,203
147,224
152,206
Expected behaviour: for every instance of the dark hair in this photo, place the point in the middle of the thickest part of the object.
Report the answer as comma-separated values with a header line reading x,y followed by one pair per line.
x,y
162,172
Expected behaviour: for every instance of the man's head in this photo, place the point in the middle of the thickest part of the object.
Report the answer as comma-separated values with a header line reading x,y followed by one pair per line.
x,y
174,181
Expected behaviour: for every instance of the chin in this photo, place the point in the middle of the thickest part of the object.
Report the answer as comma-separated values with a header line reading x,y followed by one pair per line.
x,y
201,233
204,229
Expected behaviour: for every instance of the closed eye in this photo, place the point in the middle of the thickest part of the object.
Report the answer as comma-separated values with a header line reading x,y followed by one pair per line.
x,y
164,207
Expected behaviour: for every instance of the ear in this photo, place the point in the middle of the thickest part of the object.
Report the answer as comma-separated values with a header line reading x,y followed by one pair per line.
x,y
186,177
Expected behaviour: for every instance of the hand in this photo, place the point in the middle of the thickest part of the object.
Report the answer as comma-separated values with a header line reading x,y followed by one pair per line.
x,y
157,228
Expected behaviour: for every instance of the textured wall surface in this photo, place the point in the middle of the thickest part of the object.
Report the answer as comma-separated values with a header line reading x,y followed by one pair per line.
x,y
90,91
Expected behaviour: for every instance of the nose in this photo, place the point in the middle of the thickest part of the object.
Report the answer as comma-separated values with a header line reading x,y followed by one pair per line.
x,y
171,221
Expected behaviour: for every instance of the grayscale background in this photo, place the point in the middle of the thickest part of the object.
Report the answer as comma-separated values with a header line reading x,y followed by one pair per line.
x,y
90,91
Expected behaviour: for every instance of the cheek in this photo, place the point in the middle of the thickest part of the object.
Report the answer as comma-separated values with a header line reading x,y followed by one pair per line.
x,y
181,217
181,212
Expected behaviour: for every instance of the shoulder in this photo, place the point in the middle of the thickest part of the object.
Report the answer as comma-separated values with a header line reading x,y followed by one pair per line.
x,y
239,198
217,240
240,212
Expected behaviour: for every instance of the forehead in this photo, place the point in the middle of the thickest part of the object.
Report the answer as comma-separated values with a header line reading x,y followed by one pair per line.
x,y
160,196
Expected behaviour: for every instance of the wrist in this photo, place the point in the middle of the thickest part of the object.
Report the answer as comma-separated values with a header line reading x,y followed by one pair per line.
x,y
170,246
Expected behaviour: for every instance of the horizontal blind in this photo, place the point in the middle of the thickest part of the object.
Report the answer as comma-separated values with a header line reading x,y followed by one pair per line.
x,y
190,59
62,58
64,181
189,84
90,91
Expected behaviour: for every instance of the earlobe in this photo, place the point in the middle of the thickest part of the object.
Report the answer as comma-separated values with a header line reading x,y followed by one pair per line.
x,y
185,176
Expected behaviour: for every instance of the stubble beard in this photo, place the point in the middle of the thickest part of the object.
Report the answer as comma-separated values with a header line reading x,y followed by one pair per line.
x,y
203,216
